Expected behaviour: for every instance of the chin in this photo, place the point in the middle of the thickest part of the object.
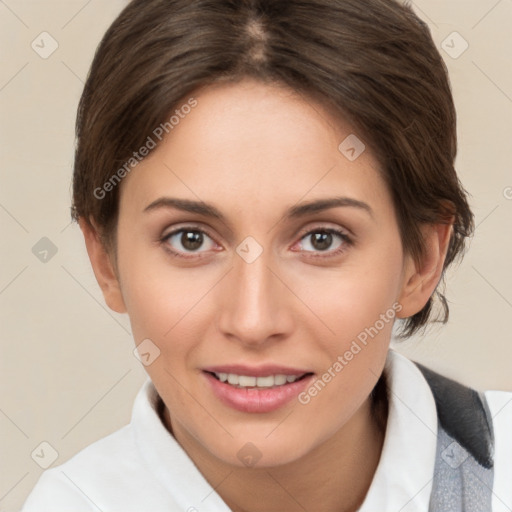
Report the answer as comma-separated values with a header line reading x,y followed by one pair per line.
x,y
259,452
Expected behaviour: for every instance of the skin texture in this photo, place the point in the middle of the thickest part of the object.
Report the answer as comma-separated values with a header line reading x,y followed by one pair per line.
x,y
254,151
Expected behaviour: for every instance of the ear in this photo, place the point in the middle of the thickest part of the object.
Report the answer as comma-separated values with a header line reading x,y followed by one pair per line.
x,y
102,266
420,280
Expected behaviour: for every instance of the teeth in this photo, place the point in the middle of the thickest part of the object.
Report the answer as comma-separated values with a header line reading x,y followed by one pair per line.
x,y
247,381
279,380
232,378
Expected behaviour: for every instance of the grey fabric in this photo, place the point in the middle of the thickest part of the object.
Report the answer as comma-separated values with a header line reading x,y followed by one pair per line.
x,y
464,466
461,484
464,414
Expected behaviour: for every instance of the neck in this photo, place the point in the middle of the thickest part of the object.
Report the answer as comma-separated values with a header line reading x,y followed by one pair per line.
x,y
334,477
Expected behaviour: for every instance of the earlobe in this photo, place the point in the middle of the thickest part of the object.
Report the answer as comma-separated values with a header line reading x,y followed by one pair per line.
x,y
420,279
102,267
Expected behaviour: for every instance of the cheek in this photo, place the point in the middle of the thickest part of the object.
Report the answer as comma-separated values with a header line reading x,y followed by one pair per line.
x,y
160,308
360,315
146,289
358,305
353,296
165,304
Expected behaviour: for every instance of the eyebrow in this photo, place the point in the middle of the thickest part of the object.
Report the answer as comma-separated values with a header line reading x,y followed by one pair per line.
x,y
297,211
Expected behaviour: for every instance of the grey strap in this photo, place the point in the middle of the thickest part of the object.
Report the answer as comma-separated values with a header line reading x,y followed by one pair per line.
x,y
461,484
464,466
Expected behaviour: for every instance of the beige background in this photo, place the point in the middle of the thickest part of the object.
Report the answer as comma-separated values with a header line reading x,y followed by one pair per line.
x,y
68,375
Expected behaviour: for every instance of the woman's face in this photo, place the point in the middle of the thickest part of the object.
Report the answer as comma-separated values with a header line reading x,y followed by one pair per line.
x,y
248,281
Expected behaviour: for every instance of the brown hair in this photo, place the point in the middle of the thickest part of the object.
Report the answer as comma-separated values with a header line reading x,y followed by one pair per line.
x,y
372,61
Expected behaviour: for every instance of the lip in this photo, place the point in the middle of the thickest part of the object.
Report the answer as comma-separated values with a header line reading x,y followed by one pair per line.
x,y
251,400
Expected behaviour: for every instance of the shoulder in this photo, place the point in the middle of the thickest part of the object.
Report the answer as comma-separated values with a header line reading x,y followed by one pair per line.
x,y
500,407
120,471
74,484
481,421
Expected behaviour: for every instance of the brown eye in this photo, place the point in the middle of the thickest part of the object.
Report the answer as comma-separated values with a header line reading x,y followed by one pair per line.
x,y
321,240
327,240
191,240
187,240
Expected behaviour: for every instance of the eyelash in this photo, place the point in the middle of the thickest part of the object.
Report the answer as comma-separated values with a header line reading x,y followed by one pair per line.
x,y
347,241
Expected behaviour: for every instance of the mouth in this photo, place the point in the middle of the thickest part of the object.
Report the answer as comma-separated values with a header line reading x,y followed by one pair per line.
x,y
269,391
255,382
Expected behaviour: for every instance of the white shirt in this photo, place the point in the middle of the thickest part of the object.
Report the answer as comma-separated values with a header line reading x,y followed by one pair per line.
x,y
142,468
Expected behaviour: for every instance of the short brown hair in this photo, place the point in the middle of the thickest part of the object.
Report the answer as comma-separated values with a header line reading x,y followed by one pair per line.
x,y
373,61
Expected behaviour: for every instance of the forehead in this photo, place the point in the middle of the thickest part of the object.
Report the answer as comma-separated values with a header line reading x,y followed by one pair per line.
x,y
252,142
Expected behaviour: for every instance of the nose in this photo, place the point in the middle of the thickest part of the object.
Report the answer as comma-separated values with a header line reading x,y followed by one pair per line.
x,y
257,306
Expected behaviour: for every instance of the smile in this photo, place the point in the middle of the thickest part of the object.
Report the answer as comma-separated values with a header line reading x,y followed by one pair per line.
x,y
256,393
248,381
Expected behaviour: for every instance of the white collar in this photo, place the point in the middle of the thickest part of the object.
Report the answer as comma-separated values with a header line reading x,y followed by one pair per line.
x,y
402,481
167,460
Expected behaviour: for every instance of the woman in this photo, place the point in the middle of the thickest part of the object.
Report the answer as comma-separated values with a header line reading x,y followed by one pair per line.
x,y
265,188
